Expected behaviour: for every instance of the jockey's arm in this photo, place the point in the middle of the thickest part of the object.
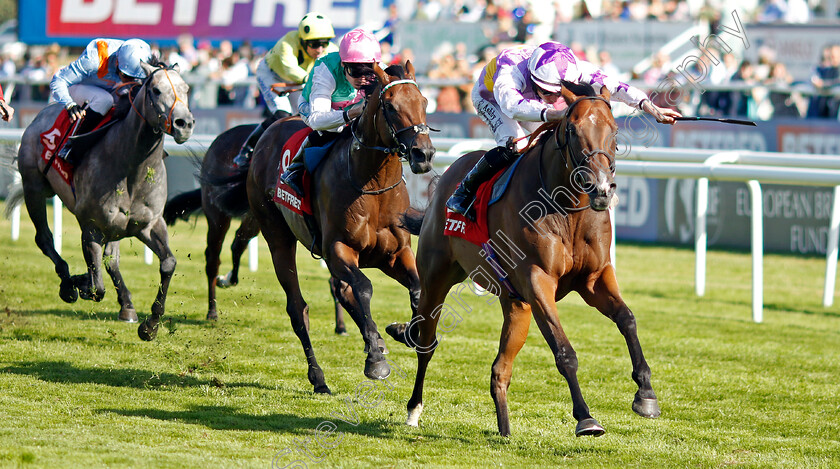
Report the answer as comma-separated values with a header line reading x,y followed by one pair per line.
x,y
625,93
70,75
282,60
507,90
321,115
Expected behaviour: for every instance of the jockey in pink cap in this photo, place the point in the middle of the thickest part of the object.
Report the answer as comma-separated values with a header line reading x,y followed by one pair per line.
x,y
517,91
333,94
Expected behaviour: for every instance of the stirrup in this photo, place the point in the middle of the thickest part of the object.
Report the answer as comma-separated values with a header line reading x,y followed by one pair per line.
x,y
243,158
289,178
457,206
64,152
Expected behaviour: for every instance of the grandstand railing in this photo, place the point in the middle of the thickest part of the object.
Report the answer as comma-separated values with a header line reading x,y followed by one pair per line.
x,y
750,167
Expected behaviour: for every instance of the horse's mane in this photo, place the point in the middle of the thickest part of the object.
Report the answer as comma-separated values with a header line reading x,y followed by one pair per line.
x,y
580,89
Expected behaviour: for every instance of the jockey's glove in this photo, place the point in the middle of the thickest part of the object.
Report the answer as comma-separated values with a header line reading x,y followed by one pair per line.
x,y
75,111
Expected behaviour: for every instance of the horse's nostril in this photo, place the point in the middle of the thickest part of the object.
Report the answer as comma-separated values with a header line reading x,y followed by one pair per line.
x,y
180,123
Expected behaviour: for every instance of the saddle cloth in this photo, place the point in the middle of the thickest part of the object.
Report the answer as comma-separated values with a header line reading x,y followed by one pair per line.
x,y
285,195
312,157
56,136
478,232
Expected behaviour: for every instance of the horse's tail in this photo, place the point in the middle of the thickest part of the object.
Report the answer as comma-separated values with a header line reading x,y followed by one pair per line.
x,y
230,192
14,198
181,206
412,220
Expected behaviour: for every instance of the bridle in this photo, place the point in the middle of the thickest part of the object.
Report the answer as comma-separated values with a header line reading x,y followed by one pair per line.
x,y
164,119
565,147
400,149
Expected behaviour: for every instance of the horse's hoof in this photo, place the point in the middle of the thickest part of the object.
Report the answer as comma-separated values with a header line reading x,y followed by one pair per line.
x,y
322,389
645,407
147,332
397,332
67,291
224,281
341,331
128,315
212,315
377,370
413,419
589,427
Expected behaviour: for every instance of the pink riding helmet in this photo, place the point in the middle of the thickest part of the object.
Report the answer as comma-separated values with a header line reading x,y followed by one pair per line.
x,y
359,46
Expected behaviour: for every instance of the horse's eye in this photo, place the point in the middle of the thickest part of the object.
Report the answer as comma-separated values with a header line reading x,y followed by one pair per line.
x,y
156,91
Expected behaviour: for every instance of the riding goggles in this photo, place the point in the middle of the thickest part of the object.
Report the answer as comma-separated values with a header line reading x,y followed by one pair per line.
x,y
359,70
316,43
544,92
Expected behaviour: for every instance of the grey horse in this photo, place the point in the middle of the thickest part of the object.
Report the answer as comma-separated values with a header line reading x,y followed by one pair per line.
x,y
119,190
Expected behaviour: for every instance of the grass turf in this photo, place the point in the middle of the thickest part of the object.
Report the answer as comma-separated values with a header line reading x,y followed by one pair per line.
x,y
78,388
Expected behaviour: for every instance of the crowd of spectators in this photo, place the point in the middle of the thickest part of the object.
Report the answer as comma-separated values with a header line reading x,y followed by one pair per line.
x,y
222,75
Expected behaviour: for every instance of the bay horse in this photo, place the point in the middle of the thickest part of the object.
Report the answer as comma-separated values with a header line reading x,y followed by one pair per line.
x,y
552,228
218,162
118,190
357,196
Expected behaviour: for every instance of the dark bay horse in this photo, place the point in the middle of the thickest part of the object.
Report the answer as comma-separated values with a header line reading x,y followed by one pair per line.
x,y
216,164
357,197
118,190
553,232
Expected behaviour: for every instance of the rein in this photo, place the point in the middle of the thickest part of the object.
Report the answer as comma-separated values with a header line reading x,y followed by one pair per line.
x,y
564,146
164,120
401,150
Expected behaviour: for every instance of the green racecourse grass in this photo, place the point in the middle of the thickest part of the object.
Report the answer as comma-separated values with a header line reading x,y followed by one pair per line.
x,y
79,389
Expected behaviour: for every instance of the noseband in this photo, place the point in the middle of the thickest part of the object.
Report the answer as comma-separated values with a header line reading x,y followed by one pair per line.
x,y
402,150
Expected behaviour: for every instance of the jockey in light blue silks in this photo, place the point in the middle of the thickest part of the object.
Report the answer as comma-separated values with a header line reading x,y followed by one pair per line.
x,y
94,78
518,90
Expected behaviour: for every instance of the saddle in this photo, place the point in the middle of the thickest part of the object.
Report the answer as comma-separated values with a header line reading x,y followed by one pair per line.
x,y
488,193
57,135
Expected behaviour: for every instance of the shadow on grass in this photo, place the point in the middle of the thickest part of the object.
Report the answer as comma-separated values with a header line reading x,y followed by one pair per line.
x,y
109,316
66,373
809,312
229,418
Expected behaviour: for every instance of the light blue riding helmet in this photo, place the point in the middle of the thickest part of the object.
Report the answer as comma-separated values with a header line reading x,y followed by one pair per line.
x,y
129,56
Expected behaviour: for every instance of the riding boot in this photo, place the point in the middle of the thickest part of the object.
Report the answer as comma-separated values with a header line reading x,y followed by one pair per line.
x,y
88,123
294,172
463,198
243,158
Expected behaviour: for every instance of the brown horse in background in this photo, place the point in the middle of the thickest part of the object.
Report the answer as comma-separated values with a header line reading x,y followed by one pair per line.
x,y
217,163
357,197
553,244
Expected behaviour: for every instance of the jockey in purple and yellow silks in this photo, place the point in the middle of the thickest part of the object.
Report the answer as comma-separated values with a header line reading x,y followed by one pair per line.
x,y
289,61
94,77
333,94
519,90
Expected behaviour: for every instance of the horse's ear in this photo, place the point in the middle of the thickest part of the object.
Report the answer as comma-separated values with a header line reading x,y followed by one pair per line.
x,y
409,69
147,68
567,94
605,93
383,77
